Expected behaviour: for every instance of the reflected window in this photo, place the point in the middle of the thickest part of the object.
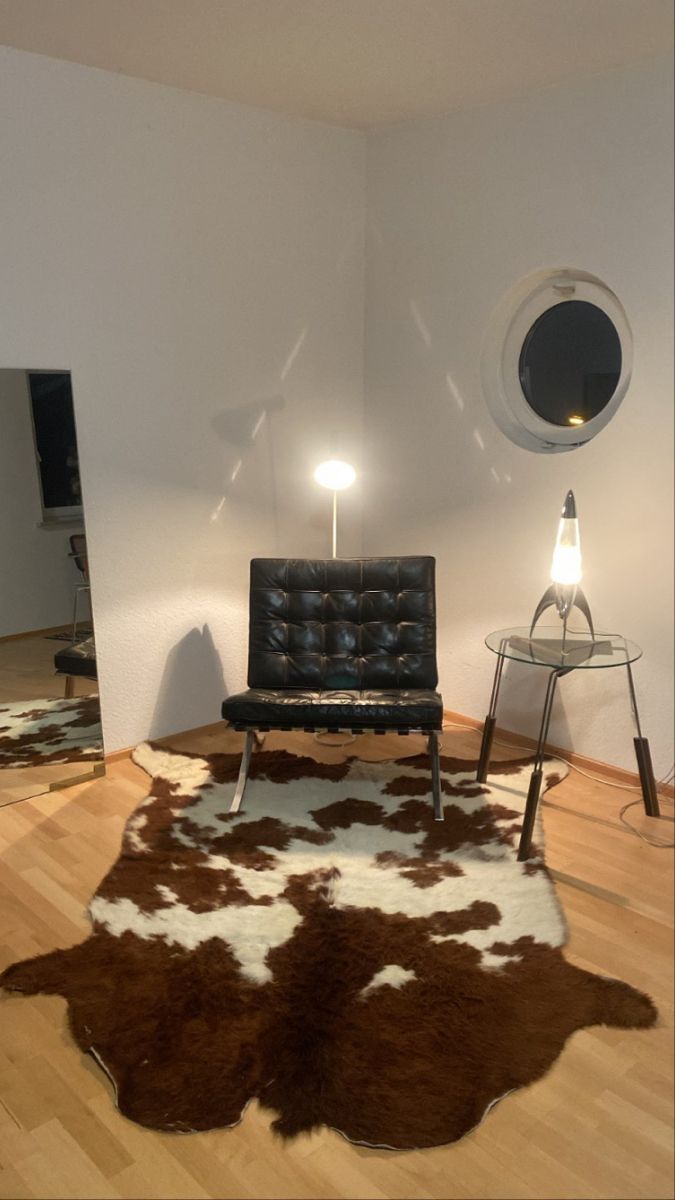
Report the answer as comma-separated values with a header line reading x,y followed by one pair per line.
x,y
51,397
570,363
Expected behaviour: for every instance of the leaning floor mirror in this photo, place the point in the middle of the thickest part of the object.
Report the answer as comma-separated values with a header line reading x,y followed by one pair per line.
x,y
50,718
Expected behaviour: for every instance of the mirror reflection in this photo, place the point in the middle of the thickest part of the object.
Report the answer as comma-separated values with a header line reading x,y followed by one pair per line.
x,y
50,719
570,363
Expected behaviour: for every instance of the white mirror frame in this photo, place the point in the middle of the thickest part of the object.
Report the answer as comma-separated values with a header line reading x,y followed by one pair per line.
x,y
510,323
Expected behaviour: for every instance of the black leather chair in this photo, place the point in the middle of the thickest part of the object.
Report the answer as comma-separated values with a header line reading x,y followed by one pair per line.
x,y
346,644
78,659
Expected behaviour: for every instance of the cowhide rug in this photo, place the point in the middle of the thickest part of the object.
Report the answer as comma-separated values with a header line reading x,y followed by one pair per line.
x,y
37,733
331,950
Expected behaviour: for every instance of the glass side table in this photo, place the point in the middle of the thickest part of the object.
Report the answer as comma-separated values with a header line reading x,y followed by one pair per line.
x,y
578,652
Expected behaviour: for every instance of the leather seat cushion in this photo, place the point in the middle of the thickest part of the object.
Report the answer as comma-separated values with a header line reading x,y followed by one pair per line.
x,y
79,659
297,708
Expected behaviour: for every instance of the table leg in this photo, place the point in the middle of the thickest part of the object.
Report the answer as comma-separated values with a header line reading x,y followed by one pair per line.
x,y
536,776
490,720
434,751
644,759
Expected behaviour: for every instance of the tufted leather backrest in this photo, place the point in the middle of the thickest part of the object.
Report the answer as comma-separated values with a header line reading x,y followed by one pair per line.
x,y
352,623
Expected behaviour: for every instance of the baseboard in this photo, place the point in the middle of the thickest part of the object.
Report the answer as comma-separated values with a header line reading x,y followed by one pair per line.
x,y
594,765
31,633
119,755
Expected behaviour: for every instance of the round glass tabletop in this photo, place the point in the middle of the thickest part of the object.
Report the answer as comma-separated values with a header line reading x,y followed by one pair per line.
x,y
546,648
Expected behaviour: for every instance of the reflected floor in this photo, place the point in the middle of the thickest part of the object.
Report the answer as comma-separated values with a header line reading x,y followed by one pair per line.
x,y
28,682
27,669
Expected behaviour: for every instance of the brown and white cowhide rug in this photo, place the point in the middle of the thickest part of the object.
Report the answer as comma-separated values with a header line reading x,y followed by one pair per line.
x,y
37,733
331,950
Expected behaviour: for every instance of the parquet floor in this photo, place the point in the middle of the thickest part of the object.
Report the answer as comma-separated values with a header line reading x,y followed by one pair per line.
x,y
598,1125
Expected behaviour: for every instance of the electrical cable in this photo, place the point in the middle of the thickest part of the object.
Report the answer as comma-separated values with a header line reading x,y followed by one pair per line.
x,y
658,843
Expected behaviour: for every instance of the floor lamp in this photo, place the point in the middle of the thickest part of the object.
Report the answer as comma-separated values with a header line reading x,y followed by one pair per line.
x,y
335,476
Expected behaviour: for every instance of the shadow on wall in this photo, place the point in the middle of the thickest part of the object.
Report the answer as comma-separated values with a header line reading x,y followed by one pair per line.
x,y
423,354
192,682
521,701
240,428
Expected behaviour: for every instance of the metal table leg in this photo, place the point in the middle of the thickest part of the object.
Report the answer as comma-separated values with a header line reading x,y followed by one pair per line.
x,y
644,758
434,751
490,720
536,776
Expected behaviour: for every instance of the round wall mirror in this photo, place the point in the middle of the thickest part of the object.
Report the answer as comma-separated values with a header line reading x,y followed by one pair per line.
x,y
570,363
557,360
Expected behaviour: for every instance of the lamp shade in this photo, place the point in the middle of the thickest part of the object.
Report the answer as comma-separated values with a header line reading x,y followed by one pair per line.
x,y
335,475
566,565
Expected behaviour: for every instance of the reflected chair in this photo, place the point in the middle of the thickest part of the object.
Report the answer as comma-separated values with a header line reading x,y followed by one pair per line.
x,y
76,660
341,645
78,553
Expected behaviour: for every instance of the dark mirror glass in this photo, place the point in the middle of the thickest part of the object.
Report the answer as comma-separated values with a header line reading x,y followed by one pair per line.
x,y
570,363
55,439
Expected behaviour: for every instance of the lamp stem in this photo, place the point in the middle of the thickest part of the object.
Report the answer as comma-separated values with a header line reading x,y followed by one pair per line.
x,y
335,524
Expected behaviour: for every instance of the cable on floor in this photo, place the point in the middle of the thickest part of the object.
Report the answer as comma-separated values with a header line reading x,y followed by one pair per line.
x,y
657,843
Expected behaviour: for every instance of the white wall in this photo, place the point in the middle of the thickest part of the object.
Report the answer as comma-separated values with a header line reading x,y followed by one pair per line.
x,y
37,578
190,261
193,261
459,210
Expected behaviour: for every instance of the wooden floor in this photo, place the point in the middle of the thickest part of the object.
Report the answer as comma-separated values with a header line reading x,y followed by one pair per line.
x,y
27,673
598,1125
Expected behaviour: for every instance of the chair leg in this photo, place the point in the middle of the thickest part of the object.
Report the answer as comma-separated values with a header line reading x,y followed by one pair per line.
x,y
70,687
74,633
243,772
434,751
81,587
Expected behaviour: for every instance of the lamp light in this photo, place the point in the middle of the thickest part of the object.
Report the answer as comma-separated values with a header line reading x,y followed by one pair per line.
x,y
566,563
336,476
566,572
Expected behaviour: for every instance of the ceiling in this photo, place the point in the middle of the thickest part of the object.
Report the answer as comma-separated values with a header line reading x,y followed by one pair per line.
x,y
360,63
